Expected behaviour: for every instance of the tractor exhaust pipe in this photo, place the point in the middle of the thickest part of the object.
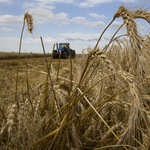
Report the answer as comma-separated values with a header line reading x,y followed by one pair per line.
x,y
57,46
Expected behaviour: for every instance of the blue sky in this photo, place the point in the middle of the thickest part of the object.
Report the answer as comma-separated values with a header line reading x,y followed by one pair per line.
x,y
79,22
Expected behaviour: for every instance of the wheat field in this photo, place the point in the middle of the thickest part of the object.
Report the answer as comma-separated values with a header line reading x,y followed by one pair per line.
x,y
99,100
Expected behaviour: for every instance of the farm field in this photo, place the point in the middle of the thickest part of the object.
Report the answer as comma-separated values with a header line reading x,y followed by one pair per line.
x,y
8,69
99,100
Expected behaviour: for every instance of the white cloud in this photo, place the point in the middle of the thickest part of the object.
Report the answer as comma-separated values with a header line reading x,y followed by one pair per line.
x,y
11,20
6,30
42,13
6,1
49,39
61,15
53,1
83,21
78,37
64,23
125,1
38,41
97,16
92,3
28,6
97,24
14,42
79,41
80,20
46,6
115,25
10,38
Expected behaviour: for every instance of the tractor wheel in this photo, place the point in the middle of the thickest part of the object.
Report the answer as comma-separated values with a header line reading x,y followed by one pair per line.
x,y
54,55
73,54
65,55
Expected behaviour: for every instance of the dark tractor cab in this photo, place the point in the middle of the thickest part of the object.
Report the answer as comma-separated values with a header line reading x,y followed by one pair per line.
x,y
63,48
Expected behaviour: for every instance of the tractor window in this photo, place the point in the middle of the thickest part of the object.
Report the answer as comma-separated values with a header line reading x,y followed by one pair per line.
x,y
62,45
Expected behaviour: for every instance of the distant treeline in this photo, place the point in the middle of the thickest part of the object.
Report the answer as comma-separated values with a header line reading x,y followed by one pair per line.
x,y
5,55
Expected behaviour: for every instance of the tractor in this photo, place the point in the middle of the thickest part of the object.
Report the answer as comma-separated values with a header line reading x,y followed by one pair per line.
x,y
63,48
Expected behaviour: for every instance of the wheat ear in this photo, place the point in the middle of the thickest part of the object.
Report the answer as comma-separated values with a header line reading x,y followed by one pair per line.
x,y
29,21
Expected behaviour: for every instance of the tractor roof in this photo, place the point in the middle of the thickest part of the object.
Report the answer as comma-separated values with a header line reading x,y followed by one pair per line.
x,y
64,43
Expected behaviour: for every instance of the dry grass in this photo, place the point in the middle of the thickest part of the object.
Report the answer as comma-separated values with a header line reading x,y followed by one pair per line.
x,y
96,101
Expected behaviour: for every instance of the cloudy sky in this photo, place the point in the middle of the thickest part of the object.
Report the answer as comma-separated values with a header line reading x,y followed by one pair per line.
x,y
79,22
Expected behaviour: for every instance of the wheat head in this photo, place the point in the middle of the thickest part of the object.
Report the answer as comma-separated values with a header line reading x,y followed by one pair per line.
x,y
29,21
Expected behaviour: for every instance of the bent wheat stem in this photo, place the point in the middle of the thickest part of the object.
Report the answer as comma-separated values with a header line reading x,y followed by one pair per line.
x,y
103,33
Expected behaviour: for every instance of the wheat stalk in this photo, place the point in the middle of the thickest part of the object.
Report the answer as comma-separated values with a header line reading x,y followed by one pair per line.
x,y
29,20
